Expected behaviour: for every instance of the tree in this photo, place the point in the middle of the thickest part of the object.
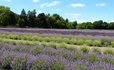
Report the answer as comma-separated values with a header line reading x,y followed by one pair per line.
x,y
21,23
104,25
31,18
4,15
58,21
42,18
23,16
69,25
111,25
74,24
13,19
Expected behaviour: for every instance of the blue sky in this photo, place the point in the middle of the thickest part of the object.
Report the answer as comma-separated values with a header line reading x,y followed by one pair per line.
x,y
80,10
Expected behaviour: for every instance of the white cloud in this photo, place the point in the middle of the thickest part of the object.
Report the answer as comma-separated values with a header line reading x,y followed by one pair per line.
x,y
100,4
7,0
35,0
44,4
77,5
54,3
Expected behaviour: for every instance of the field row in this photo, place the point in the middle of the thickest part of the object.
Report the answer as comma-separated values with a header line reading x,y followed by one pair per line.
x,y
60,39
19,57
74,32
103,50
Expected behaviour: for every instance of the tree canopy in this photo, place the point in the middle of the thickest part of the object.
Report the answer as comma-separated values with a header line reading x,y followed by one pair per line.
x,y
42,20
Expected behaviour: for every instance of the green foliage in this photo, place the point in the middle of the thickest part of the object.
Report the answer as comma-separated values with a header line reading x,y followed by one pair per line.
x,y
100,25
80,41
77,55
62,45
71,25
96,51
108,51
26,49
85,49
96,43
20,63
54,45
108,60
42,20
111,25
40,64
4,15
16,49
21,23
58,65
6,63
73,41
44,43
105,42
36,51
65,40
85,25
93,58
112,43
88,42
82,67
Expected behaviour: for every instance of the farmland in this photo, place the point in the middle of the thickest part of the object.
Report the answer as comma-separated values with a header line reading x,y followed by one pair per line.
x,y
56,49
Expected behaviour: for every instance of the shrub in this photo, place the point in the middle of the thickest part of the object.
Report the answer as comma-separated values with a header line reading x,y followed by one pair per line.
x,y
58,65
47,39
62,45
65,40
88,42
107,60
62,53
82,67
73,41
36,51
106,42
53,45
44,43
108,52
97,43
80,41
40,64
112,43
6,62
85,49
58,39
19,63
96,51
93,58
26,50
17,49
40,39
77,55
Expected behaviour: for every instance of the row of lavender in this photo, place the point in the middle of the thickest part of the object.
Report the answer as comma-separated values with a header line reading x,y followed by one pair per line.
x,y
108,33
19,57
104,42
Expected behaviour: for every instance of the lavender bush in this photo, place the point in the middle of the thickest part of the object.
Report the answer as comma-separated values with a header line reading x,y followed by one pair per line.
x,y
53,59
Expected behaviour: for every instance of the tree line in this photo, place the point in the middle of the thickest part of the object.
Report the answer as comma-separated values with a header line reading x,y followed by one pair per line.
x,y
100,24
42,20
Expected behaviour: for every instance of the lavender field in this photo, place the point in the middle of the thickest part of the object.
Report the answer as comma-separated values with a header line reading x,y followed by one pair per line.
x,y
56,49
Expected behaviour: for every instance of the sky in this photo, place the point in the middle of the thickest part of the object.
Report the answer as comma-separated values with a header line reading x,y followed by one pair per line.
x,y
79,10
